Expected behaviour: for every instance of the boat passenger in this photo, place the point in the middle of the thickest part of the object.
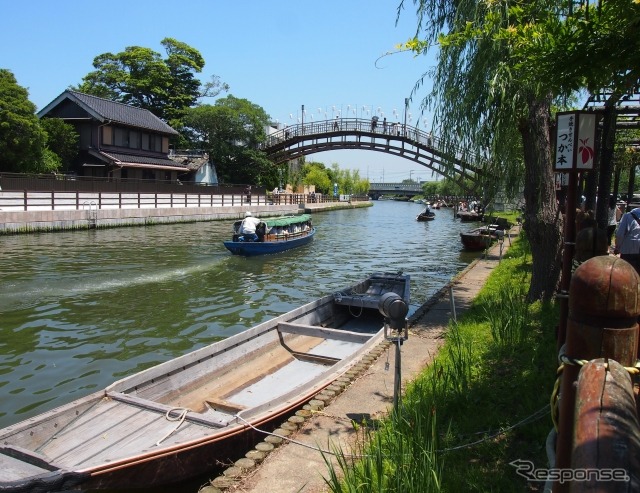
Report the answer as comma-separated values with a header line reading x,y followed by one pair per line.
x,y
248,227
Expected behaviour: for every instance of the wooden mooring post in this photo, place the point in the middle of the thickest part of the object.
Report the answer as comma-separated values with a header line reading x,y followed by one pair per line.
x,y
605,456
602,322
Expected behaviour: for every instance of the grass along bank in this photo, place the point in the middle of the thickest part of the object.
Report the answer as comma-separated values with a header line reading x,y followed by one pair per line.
x,y
481,404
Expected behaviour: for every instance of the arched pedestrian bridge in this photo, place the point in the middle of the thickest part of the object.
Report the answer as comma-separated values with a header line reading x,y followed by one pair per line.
x,y
399,140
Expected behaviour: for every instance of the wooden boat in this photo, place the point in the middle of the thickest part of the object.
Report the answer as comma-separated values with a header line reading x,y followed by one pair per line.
x,y
470,216
426,216
479,238
275,234
180,418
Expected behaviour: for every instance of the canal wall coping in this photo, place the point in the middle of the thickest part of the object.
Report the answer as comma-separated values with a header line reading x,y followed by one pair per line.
x,y
50,220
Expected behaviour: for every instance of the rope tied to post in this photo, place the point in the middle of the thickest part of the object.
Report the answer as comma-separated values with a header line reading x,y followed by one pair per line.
x,y
568,360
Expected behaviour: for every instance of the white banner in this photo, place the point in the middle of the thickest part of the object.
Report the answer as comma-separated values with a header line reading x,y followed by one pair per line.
x,y
575,141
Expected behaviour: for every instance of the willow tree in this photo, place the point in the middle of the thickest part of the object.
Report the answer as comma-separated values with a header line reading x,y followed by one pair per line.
x,y
500,66
485,102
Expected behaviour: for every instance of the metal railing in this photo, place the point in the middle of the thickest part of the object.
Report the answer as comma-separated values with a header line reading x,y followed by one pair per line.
x,y
352,125
60,201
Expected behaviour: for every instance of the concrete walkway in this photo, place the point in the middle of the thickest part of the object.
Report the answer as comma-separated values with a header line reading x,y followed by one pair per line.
x,y
293,468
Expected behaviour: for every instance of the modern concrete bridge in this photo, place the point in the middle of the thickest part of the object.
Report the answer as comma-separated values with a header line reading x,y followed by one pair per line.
x,y
376,190
396,139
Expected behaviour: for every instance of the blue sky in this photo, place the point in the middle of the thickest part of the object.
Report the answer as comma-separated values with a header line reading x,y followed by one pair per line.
x,y
279,54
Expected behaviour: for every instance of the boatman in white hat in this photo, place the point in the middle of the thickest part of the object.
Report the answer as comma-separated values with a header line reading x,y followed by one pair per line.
x,y
248,227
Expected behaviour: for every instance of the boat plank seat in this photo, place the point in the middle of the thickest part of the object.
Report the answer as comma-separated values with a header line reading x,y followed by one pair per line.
x,y
163,408
323,332
221,405
26,460
315,358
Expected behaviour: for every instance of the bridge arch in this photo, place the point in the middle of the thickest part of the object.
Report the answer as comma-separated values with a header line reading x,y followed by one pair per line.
x,y
399,140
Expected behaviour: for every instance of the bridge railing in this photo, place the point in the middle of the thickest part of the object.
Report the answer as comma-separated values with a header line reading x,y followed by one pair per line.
x,y
352,125
359,126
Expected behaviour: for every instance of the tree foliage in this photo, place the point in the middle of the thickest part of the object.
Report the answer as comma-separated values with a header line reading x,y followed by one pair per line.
x,y
488,95
62,140
230,131
22,139
316,174
141,77
349,181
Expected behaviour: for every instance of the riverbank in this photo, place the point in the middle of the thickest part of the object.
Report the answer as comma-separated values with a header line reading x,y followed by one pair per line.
x,y
14,222
365,395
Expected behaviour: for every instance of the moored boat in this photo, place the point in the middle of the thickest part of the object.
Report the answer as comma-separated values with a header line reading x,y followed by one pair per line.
x,y
180,418
469,216
274,234
478,238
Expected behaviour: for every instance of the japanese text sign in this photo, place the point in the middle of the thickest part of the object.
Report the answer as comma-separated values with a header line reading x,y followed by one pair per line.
x,y
575,141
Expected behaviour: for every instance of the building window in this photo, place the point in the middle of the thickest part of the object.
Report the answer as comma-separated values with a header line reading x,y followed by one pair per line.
x,y
145,142
156,143
148,174
122,137
107,136
134,139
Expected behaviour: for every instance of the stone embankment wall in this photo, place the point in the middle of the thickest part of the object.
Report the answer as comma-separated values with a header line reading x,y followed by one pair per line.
x,y
12,222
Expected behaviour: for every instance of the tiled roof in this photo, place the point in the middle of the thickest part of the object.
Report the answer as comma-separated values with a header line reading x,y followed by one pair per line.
x,y
121,158
120,113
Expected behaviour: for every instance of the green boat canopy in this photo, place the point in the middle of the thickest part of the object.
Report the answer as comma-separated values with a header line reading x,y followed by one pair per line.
x,y
286,220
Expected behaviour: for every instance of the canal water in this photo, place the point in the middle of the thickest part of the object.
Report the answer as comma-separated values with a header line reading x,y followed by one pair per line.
x,y
81,309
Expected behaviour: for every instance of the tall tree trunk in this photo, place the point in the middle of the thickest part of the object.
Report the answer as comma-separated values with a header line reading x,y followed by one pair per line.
x,y
543,222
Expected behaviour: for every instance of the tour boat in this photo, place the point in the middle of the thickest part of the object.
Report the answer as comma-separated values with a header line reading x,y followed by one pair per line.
x,y
275,234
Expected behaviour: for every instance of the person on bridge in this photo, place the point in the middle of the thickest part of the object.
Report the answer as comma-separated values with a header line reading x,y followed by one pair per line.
x,y
336,124
374,123
248,227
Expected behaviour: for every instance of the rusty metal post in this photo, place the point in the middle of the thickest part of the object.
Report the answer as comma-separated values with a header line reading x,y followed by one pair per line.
x,y
604,304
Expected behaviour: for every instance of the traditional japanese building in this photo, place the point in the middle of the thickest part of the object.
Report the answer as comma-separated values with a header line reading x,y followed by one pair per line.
x,y
117,140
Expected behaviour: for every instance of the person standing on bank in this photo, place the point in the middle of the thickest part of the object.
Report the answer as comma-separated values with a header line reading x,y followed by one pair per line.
x,y
628,238
614,217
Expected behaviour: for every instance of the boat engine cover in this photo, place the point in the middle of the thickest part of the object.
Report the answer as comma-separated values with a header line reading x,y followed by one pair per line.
x,y
393,308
